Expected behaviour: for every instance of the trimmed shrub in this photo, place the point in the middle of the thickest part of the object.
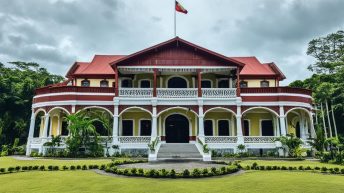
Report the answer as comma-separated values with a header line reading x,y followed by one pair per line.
x,y
173,173
24,168
126,171
90,167
29,168
17,168
247,167
308,168
65,167
197,173
151,172
50,167
261,167
283,168
301,168
342,171
133,171
316,168
186,173
102,167
164,173
78,167
205,171
108,169
324,169
35,167
56,168
213,171
223,170
41,168
2,170
331,170
290,168
84,167
336,170
254,166
268,168
140,172
274,167
10,169
72,167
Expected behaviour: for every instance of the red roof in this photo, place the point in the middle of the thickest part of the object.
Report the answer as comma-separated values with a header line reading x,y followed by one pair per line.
x,y
100,65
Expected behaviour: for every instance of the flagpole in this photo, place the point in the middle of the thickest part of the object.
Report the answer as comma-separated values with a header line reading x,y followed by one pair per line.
x,y
175,25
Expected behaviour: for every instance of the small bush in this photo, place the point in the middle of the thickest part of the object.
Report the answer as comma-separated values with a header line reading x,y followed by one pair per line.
x,y
205,171
336,170
17,168
342,171
323,169
331,170
268,168
133,171
316,168
50,167
84,167
10,169
126,171
197,173
72,167
308,168
290,168
56,168
283,168
90,167
301,168
274,167
213,171
65,167
186,173
261,167
151,172
173,173
164,173
24,168
2,170
35,167
41,168
140,172
102,167
254,166
78,167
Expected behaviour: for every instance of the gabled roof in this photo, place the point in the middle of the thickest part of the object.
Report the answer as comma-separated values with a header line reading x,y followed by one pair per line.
x,y
98,66
178,40
253,67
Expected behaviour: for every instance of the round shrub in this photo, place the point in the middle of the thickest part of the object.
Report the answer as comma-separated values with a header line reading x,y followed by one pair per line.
x,y
290,168
261,167
308,168
10,169
65,167
2,170
173,173
316,168
29,168
197,173
35,167
78,167
72,167
140,172
268,168
254,166
50,167
164,173
301,168
56,168
213,171
342,171
41,168
24,168
283,168
133,171
205,171
186,173
323,169
84,167
102,167
17,168
336,170
90,167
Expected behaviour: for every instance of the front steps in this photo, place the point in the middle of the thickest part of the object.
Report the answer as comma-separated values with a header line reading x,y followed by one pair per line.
x,y
178,152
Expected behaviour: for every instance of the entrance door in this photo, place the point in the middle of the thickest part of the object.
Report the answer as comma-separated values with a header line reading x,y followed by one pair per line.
x,y
177,129
177,82
298,133
267,128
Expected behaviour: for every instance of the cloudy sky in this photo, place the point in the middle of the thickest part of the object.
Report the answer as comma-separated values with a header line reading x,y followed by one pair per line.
x,y
55,33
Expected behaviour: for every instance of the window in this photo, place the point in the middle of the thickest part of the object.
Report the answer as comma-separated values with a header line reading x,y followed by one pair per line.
x,y
205,84
146,127
267,128
145,84
127,128
264,83
223,83
243,84
246,128
64,128
208,128
126,83
85,83
104,83
223,127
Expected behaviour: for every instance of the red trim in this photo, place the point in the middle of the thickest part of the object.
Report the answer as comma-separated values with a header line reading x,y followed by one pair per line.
x,y
199,86
154,82
191,138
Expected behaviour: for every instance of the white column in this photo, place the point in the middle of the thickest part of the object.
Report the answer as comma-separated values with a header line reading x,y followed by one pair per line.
x,y
200,122
46,124
115,125
239,126
154,133
282,121
302,125
278,131
31,133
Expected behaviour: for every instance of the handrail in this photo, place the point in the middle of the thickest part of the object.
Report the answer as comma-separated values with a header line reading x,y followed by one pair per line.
x,y
59,89
276,90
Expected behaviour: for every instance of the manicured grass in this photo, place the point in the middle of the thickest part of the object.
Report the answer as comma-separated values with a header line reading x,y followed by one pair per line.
x,y
252,181
6,162
304,163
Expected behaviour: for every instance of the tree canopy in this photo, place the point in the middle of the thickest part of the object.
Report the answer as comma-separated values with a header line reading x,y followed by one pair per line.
x,y
18,82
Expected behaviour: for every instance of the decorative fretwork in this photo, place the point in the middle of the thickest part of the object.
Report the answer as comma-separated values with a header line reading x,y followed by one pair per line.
x,y
136,92
221,139
219,92
177,92
259,139
133,139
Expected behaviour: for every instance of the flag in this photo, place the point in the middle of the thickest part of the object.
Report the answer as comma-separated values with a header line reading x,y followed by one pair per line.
x,y
180,8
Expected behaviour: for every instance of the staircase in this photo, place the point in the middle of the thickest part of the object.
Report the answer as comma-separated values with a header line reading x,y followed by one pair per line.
x,y
179,151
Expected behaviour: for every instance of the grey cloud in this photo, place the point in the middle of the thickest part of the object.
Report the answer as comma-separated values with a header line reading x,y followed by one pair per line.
x,y
57,32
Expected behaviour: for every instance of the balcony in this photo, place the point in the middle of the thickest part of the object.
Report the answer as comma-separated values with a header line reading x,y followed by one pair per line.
x,y
289,90
78,89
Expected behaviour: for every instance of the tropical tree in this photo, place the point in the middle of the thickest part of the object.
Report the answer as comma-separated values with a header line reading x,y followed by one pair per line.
x,y
292,144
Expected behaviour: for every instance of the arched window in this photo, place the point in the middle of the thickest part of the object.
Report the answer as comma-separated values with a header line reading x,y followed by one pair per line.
x,y
243,84
145,84
85,83
264,83
104,83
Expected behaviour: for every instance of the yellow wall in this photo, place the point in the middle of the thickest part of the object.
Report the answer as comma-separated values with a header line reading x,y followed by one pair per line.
x,y
291,128
54,125
254,120
41,128
256,83
216,116
95,82
135,116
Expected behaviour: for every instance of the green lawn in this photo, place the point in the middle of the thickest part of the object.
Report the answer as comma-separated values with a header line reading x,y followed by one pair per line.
x,y
304,163
6,162
252,181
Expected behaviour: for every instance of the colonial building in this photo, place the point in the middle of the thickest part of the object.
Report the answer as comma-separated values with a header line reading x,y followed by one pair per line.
x,y
181,93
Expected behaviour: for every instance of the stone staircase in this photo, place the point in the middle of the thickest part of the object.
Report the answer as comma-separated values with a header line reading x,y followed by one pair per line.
x,y
179,151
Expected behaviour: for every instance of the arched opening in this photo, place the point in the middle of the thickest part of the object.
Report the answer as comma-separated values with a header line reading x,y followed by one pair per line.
x,y
219,121
299,122
177,82
58,122
260,121
177,129
103,120
39,124
135,121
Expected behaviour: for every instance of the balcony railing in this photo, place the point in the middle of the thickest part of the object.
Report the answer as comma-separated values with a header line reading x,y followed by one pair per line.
x,y
136,92
176,92
277,90
60,89
221,139
134,139
259,139
219,92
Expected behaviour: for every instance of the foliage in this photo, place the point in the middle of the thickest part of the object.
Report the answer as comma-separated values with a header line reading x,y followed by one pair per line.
x,y
292,144
204,146
152,145
18,80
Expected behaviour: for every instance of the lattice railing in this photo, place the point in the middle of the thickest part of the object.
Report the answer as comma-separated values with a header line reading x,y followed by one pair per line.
x,y
259,139
221,139
135,92
177,92
219,92
36,140
132,139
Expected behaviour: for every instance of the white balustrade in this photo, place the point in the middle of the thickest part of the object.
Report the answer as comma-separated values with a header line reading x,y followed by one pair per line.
x,y
36,140
134,139
259,139
221,139
177,92
219,92
136,92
